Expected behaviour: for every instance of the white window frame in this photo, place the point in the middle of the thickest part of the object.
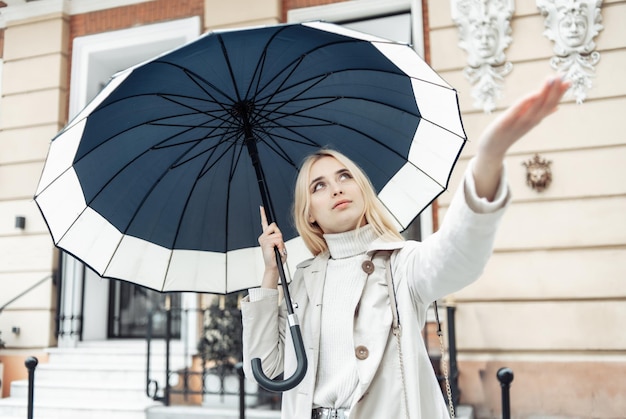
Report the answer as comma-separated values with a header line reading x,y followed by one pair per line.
x,y
365,9
96,57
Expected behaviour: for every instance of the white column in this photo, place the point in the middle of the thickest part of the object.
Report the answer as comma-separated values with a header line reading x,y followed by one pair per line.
x,y
70,309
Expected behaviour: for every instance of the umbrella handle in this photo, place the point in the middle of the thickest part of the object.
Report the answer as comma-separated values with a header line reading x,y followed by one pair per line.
x,y
296,337
298,375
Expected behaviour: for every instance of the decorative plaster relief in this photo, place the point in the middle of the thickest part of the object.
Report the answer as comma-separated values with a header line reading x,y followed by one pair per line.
x,y
484,33
572,25
538,173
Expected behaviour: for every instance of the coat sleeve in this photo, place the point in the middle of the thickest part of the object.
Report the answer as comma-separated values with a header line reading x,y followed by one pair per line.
x,y
263,334
455,255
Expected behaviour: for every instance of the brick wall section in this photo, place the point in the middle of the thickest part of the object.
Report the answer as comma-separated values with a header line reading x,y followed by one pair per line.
x,y
134,15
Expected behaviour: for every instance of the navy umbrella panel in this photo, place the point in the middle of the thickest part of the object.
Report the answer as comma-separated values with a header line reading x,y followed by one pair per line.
x,y
154,182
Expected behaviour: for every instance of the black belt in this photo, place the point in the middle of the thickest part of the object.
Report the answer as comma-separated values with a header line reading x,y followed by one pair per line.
x,y
330,413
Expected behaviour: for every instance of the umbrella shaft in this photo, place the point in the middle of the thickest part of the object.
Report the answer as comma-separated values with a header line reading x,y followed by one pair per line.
x,y
260,176
269,210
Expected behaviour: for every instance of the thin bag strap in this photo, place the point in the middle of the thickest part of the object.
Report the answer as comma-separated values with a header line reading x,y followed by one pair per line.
x,y
397,331
444,363
396,328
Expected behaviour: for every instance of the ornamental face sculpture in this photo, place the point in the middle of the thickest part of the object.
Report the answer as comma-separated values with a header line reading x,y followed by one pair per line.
x,y
484,33
572,25
538,173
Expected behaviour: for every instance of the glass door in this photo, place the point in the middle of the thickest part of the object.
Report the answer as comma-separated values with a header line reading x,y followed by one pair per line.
x,y
129,308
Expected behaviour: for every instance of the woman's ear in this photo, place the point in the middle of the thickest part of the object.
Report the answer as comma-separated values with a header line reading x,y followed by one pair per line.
x,y
311,219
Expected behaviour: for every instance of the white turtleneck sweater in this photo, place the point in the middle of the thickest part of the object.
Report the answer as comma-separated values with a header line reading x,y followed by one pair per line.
x,y
337,376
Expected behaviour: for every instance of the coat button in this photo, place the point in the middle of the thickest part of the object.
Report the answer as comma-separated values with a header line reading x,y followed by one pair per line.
x,y
362,352
368,266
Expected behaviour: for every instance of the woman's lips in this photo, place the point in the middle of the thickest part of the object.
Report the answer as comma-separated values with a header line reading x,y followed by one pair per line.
x,y
341,203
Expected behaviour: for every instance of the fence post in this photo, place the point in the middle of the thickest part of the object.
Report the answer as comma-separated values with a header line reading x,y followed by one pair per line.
x,y
242,390
505,376
168,338
31,364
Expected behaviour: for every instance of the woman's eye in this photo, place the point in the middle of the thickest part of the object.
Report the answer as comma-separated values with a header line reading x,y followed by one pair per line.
x,y
318,186
345,176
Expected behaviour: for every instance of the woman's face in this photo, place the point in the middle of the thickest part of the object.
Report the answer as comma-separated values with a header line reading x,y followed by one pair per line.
x,y
336,201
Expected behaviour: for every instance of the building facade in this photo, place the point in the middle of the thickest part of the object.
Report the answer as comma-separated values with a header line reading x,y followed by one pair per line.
x,y
551,300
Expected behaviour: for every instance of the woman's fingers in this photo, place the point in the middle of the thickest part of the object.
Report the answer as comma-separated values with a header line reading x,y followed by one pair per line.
x,y
263,218
551,95
271,238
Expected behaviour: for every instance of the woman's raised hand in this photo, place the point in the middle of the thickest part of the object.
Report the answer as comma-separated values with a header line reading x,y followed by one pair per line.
x,y
522,116
271,238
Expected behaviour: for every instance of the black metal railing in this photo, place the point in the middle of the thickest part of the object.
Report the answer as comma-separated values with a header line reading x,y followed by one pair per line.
x,y
26,291
22,294
505,377
31,363
207,377
195,376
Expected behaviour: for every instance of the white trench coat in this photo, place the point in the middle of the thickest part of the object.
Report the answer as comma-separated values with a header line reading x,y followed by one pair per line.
x,y
423,272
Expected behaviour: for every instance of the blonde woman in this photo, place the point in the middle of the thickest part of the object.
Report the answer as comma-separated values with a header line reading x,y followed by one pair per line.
x,y
360,366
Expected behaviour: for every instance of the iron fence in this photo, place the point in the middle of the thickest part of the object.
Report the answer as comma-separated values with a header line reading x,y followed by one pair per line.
x,y
198,378
201,379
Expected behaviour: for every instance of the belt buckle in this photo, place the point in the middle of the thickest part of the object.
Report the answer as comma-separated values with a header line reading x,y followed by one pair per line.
x,y
336,414
330,413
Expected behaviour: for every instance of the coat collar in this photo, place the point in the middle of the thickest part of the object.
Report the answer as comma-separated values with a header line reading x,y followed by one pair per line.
x,y
316,268
379,244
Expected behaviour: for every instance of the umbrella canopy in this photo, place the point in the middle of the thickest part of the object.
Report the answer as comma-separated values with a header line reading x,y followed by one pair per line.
x,y
158,181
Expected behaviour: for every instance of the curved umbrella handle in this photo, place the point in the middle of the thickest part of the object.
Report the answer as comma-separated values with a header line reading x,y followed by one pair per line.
x,y
298,375
296,337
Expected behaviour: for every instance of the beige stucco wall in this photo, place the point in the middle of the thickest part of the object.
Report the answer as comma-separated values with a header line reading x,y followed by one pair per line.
x,y
552,300
241,13
33,109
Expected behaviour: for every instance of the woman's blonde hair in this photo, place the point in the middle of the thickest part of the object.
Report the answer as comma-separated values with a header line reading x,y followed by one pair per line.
x,y
375,213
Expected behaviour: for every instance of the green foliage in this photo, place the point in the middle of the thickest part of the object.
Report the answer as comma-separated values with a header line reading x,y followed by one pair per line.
x,y
221,342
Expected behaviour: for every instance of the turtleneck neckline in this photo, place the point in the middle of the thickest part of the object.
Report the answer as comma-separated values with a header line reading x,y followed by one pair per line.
x,y
350,243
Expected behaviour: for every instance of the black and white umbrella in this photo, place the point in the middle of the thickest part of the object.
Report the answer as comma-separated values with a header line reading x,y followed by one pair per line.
x,y
158,181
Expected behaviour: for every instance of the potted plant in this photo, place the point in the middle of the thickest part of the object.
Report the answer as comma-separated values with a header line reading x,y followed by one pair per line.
x,y
221,342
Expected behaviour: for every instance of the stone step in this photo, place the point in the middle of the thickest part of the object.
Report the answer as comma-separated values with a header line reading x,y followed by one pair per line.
x,y
112,391
95,380
134,352
191,412
105,372
75,409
